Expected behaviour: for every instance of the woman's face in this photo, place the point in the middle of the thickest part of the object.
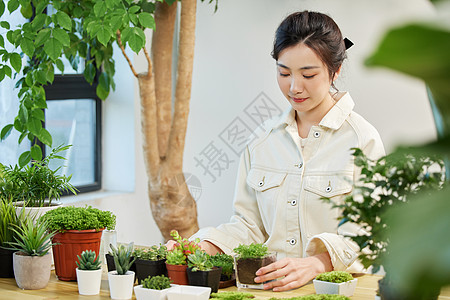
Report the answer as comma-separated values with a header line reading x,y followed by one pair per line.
x,y
304,79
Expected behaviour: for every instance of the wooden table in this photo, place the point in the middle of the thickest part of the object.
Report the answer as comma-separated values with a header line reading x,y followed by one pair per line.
x,y
57,289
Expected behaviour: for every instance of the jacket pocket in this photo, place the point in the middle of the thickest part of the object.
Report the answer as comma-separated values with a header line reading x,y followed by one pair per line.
x,y
319,216
267,186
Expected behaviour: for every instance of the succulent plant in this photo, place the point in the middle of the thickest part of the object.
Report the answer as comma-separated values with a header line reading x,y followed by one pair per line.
x,y
200,261
122,257
156,282
88,261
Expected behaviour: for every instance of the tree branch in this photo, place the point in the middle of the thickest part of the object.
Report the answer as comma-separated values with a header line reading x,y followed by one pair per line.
x,y
119,42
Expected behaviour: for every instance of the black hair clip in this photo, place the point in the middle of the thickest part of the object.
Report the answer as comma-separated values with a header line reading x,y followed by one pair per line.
x,y
347,43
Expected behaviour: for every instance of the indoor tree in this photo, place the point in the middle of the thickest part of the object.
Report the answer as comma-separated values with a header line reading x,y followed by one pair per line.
x,y
88,29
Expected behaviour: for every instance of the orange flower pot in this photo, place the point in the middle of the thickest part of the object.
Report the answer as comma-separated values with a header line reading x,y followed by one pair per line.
x,y
178,274
70,244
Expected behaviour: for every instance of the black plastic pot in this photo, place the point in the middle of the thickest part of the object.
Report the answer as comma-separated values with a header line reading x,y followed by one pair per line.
x,y
388,292
205,278
112,267
6,263
145,268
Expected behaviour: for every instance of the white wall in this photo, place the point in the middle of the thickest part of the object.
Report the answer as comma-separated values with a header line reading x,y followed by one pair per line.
x,y
232,67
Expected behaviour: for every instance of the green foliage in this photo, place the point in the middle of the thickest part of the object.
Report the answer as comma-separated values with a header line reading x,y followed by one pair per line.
x,y
122,257
335,276
232,295
181,250
88,261
251,251
384,183
224,261
35,183
160,282
79,218
200,261
32,239
153,253
316,297
8,218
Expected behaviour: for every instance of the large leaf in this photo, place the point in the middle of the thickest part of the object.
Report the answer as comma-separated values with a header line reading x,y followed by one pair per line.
x,y
2,8
53,48
13,5
104,35
61,36
64,20
36,152
6,131
45,137
24,158
147,20
16,61
27,47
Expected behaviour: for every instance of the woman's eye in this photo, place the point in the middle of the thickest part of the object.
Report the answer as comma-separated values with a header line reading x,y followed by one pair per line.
x,y
308,77
284,75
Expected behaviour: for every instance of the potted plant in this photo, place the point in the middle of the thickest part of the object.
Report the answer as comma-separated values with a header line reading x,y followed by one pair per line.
x,y
201,271
35,187
89,273
150,262
153,288
32,262
383,184
176,259
121,280
78,229
335,282
247,260
225,261
8,218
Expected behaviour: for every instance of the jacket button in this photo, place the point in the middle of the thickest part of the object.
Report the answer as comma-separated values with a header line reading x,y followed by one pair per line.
x,y
261,183
294,202
328,189
316,134
292,242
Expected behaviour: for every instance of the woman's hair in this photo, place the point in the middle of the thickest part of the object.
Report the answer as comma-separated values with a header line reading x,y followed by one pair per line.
x,y
317,31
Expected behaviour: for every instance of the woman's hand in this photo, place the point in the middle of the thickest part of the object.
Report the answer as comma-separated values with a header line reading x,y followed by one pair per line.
x,y
296,272
208,247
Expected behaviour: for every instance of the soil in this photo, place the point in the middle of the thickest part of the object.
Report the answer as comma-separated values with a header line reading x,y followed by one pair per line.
x,y
246,268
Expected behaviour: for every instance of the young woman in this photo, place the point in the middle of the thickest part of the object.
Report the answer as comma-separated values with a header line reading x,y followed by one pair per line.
x,y
298,159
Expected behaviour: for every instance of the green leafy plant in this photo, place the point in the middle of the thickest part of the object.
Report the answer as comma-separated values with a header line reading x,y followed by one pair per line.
x,y
122,257
384,183
181,250
224,261
35,183
232,295
32,239
200,261
335,276
79,218
316,297
153,253
88,261
160,282
8,218
251,251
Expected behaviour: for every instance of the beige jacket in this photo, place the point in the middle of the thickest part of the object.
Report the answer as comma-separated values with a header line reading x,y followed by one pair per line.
x,y
279,186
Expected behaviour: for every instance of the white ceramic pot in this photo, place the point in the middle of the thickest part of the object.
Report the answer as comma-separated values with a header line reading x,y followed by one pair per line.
x,y
149,294
35,211
188,292
344,288
121,286
89,281
32,272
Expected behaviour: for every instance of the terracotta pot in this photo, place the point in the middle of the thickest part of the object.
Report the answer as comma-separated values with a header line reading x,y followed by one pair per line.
x,y
145,268
32,272
70,244
178,274
6,263
205,278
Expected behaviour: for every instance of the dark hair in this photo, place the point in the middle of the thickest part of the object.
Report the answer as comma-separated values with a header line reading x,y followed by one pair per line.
x,y
317,31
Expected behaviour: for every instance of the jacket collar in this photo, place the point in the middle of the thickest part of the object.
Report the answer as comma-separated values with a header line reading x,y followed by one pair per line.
x,y
333,119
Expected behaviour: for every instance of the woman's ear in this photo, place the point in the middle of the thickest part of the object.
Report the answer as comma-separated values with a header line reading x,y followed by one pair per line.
x,y
336,75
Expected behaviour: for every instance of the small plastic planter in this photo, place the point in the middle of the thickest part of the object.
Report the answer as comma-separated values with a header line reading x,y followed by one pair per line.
x,y
344,288
246,268
187,292
150,294
209,278
89,281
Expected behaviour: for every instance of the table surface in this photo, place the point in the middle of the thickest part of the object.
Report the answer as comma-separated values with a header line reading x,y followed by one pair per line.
x,y
57,289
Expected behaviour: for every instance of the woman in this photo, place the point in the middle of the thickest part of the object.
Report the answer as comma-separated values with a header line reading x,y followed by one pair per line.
x,y
297,159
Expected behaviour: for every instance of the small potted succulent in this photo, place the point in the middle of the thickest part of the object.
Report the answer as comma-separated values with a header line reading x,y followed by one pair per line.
x,y
201,271
176,259
89,273
150,262
32,262
248,259
225,261
79,229
153,288
121,280
335,282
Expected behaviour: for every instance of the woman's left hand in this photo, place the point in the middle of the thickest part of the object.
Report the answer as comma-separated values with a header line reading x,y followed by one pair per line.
x,y
296,272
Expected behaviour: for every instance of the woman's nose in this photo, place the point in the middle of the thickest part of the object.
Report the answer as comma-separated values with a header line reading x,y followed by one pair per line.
x,y
296,86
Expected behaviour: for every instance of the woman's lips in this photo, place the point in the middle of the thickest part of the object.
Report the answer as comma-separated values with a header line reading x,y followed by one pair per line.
x,y
299,100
